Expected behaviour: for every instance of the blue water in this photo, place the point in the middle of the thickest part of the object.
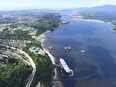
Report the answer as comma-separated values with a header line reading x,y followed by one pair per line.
x,y
99,43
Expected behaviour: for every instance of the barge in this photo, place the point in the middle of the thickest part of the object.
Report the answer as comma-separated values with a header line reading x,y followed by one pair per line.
x,y
65,67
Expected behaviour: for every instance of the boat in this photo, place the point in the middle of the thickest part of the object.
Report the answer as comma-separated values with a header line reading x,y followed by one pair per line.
x,y
65,67
82,51
67,49
50,47
48,36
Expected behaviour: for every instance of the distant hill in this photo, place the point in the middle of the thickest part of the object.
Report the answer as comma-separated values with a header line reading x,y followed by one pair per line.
x,y
105,7
98,8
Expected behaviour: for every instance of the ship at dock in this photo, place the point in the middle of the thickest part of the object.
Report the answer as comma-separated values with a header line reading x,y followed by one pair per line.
x,y
65,67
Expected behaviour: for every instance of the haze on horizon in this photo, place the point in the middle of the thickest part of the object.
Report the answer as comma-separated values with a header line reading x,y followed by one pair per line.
x,y
51,4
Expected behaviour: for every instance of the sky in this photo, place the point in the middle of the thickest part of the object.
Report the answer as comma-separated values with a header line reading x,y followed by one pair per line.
x,y
52,4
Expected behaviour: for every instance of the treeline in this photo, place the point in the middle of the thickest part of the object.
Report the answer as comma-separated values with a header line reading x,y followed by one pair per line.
x,y
100,15
7,20
47,22
14,74
44,67
16,35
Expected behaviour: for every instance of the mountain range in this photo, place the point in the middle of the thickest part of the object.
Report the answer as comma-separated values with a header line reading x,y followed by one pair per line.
x,y
102,8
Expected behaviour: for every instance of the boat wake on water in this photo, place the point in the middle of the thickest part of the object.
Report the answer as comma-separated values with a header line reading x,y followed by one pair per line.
x,y
70,72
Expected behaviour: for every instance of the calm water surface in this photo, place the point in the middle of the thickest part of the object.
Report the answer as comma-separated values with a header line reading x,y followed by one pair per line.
x,y
96,67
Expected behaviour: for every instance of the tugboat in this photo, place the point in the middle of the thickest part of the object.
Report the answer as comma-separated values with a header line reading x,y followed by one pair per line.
x,y
67,49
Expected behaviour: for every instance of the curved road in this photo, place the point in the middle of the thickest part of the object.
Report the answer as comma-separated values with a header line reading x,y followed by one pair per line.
x,y
30,79
33,66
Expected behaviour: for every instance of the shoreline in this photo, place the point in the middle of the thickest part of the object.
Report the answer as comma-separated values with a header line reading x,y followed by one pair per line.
x,y
41,38
95,20
100,21
86,19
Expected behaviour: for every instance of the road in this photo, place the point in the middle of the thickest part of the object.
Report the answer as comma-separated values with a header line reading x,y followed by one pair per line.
x,y
30,79
33,66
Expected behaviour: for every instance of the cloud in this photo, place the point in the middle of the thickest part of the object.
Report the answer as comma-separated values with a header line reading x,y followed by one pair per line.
x,y
104,2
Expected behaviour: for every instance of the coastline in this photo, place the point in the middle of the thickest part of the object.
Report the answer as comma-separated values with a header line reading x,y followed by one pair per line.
x,y
95,20
41,38
79,16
